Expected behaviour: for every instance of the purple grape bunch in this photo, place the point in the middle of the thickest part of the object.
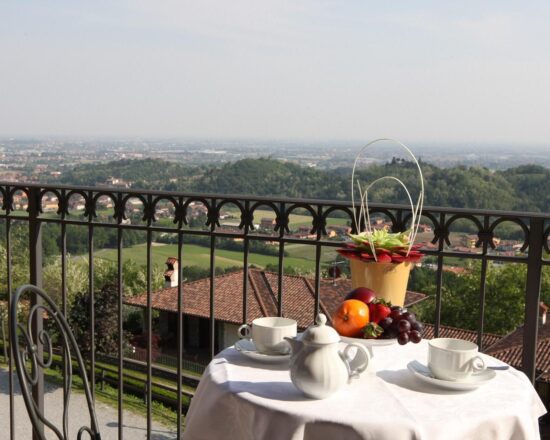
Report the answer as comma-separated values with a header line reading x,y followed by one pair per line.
x,y
401,324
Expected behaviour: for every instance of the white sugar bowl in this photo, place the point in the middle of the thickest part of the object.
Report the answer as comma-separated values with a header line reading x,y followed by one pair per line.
x,y
317,367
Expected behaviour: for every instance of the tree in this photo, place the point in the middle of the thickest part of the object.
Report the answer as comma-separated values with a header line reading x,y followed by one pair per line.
x,y
290,270
521,188
19,259
504,296
76,279
106,310
134,278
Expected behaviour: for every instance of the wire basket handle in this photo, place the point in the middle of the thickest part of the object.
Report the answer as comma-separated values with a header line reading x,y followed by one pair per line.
x,y
416,209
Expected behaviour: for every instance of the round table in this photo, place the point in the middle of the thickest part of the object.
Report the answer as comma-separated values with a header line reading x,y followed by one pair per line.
x,y
241,399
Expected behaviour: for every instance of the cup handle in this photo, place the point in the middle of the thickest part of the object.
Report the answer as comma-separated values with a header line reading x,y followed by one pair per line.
x,y
359,362
478,364
244,331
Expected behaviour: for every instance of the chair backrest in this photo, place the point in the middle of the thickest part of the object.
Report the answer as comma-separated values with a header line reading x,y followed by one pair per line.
x,y
25,353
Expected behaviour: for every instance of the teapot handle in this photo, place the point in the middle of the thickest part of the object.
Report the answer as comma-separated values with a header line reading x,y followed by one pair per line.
x,y
358,363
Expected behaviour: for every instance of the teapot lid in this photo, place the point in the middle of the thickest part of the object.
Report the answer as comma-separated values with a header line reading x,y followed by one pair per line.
x,y
320,333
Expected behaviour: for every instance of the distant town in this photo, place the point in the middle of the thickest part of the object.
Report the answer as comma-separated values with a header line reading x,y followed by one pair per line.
x,y
48,160
45,159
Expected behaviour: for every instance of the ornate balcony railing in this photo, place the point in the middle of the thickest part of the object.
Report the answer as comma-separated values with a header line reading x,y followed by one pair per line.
x,y
95,208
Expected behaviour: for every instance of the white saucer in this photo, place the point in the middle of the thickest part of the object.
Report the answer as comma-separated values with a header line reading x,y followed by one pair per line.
x,y
423,373
248,349
369,342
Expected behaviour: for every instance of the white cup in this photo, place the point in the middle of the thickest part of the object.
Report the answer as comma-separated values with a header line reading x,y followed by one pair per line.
x,y
268,334
454,359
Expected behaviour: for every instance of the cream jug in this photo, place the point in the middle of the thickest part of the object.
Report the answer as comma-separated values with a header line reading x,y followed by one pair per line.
x,y
317,367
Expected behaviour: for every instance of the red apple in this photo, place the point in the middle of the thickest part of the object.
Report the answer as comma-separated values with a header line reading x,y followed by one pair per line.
x,y
362,294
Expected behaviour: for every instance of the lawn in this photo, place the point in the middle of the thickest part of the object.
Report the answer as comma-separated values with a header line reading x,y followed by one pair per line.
x,y
307,252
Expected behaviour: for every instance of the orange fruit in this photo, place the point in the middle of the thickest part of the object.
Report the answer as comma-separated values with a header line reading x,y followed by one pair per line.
x,y
351,317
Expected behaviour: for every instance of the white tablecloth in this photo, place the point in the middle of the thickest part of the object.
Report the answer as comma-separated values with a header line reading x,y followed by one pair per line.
x,y
240,399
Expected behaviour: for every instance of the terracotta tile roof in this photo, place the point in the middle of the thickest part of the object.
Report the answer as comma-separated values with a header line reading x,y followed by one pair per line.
x,y
488,339
298,297
265,295
510,350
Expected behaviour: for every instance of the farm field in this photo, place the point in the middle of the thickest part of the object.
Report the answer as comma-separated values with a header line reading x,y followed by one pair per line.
x,y
295,220
234,215
300,256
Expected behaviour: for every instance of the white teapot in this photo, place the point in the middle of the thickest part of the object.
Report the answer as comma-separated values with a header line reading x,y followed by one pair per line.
x,y
317,367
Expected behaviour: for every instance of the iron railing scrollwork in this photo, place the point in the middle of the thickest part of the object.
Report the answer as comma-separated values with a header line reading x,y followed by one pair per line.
x,y
532,230
26,341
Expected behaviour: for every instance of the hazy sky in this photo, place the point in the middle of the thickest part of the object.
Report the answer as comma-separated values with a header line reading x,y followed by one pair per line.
x,y
414,70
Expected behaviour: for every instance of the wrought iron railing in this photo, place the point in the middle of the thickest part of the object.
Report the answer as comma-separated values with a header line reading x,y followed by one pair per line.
x,y
23,203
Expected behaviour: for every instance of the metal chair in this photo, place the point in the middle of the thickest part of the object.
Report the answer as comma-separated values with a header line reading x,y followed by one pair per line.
x,y
25,353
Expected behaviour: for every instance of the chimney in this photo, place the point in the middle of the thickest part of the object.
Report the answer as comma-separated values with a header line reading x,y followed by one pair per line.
x,y
171,274
543,308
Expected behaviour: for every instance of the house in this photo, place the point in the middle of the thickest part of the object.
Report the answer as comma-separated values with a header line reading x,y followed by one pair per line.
x,y
466,250
472,239
20,202
303,232
230,227
509,246
171,272
509,349
118,182
298,302
423,227
50,206
267,223
338,230
196,209
457,270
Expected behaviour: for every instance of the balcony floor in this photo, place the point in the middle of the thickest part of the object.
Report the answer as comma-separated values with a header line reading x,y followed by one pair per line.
x,y
134,425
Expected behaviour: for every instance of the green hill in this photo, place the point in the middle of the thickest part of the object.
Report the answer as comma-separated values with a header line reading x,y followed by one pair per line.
x,y
524,188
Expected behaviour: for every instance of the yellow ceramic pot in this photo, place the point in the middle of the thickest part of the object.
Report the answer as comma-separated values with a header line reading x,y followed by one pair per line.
x,y
388,280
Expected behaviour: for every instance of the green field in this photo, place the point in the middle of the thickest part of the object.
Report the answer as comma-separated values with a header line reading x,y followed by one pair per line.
x,y
300,256
307,252
234,215
295,220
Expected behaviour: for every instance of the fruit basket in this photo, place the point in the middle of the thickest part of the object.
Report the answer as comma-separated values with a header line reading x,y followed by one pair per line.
x,y
379,259
363,318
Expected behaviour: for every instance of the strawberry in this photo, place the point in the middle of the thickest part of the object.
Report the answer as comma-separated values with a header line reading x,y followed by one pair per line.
x,y
371,331
384,258
378,310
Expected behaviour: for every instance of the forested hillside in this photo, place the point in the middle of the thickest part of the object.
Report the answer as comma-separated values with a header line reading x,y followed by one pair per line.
x,y
524,188
147,173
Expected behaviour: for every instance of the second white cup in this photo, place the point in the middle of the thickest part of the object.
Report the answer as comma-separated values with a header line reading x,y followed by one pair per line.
x,y
268,334
454,359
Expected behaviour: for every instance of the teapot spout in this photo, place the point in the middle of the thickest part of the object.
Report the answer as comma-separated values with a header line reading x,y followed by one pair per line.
x,y
295,344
